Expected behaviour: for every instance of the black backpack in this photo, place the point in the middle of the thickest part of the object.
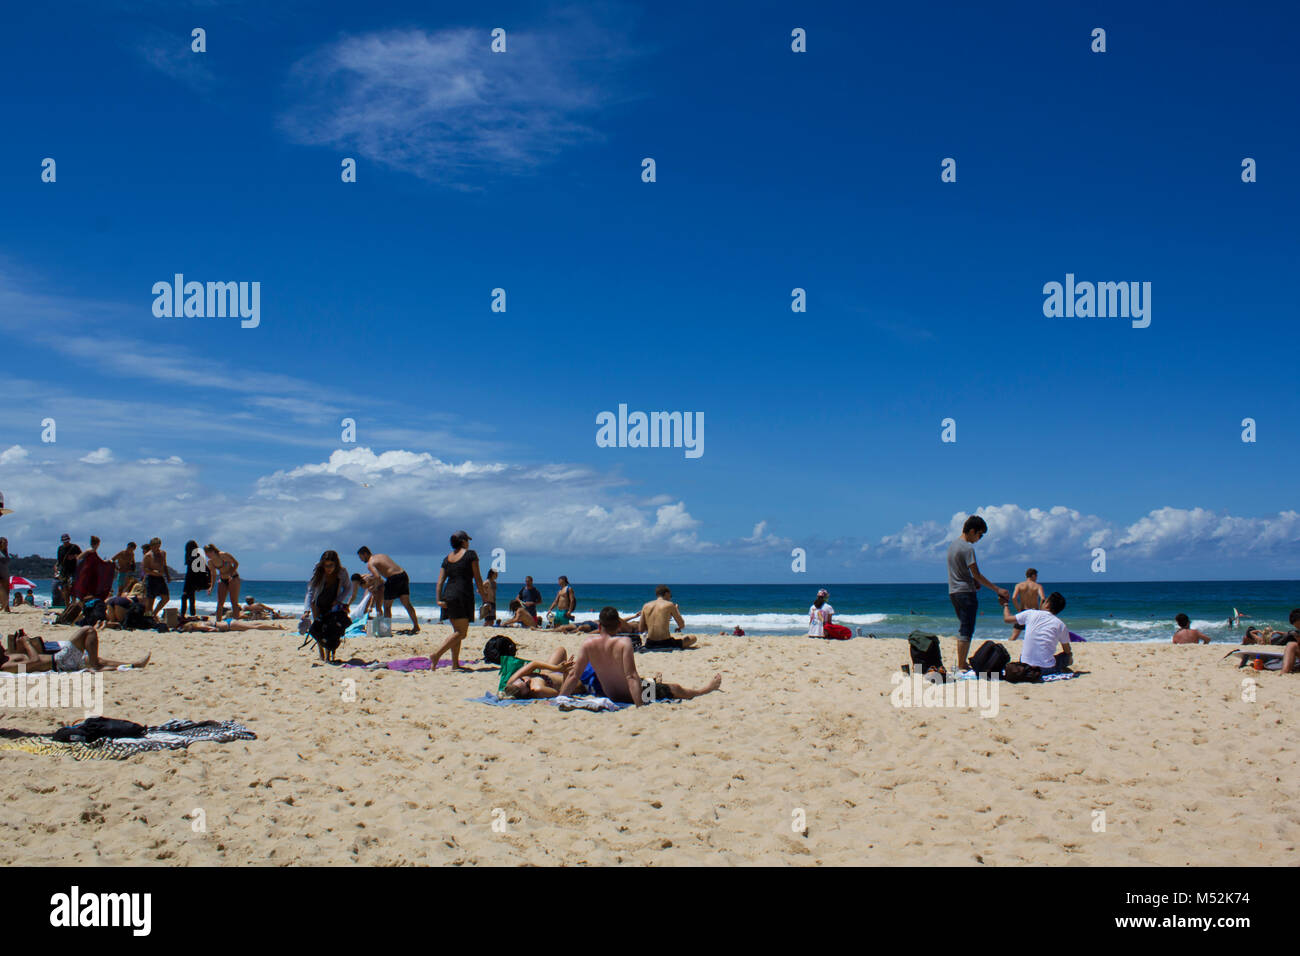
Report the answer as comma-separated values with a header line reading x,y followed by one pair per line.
x,y
990,658
925,650
328,631
93,728
94,613
497,648
137,619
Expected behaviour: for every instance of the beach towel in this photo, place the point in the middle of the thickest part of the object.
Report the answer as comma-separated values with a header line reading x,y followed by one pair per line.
x,y
171,735
408,664
595,704
94,577
492,700
1068,675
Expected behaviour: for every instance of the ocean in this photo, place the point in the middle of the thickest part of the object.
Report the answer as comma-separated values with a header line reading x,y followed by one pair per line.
x,y
1134,611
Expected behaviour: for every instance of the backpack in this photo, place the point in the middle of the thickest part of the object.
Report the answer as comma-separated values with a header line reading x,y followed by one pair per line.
x,y
136,618
497,648
70,613
925,650
990,658
328,631
94,613
1018,673
95,728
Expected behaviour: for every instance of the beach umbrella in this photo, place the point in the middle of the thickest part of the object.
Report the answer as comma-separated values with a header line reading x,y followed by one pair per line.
x,y
18,581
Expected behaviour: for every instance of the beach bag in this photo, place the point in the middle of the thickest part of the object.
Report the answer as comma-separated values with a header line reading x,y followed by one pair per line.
x,y
497,648
925,650
838,632
1018,673
94,613
379,627
95,728
136,618
70,613
990,658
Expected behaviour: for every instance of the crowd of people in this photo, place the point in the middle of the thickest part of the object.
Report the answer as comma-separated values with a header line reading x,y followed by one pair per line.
x,y
141,592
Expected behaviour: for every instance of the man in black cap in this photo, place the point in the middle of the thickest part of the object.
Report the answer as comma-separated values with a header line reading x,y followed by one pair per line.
x,y
66,565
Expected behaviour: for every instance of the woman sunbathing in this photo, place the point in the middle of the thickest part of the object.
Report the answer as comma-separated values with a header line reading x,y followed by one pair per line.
x,y
227,626
537,679
81,653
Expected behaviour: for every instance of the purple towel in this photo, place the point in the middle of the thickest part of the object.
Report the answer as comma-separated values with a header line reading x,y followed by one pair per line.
x,y
420,664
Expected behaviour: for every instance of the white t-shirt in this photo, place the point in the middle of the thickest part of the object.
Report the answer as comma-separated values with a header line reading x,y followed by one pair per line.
x,y
817,618
1044,632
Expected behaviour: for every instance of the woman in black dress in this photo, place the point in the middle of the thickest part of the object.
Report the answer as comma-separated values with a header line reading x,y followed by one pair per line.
x,y
458,579
196,576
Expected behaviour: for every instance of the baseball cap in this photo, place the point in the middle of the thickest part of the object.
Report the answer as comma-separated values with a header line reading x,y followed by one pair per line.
x,y
66,536
464,534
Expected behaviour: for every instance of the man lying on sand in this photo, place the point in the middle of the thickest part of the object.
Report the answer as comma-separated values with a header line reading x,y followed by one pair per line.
x,y
535,680
627,625
80,653
655,616
606,667
260,612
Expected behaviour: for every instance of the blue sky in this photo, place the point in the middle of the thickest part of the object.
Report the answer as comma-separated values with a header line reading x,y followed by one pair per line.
x,y
775,170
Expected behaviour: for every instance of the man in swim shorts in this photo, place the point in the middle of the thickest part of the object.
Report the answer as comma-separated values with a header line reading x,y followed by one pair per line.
x,y
1027,596
655,617
565,603
79,653
605,666
396,586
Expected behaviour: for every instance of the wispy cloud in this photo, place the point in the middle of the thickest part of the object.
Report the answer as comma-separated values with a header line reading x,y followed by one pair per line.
x,y
442,105
171,54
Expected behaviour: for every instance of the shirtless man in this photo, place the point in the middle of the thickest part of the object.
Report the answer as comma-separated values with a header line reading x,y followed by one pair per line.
x,y
627,625
606,667
1186,634
124,561
260,612
1027,596
155,577
565,603
81,652
654,622
396,585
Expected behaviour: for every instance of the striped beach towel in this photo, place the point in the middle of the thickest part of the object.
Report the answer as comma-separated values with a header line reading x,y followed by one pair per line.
x,y
172,735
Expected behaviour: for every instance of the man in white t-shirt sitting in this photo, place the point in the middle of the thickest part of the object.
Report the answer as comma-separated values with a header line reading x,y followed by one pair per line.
x,y
1043,631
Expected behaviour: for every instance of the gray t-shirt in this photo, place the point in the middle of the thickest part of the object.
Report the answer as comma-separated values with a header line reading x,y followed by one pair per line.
x,y
961,555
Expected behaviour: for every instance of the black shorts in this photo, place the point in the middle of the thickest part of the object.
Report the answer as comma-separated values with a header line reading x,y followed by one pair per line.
x,y
398,586
666,642
966,604
661,690
155,587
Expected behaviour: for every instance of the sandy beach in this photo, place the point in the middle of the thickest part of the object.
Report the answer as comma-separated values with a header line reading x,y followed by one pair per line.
x,y
1157,738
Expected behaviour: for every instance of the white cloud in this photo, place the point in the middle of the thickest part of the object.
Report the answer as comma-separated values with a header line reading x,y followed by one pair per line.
x,y
13,455
1168,535
100,456
442,104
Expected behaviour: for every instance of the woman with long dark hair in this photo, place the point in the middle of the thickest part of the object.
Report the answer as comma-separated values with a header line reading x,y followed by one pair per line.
x,y
196,577
329,585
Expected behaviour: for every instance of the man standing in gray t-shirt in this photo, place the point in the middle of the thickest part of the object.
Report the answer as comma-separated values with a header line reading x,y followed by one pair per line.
x,y
964,579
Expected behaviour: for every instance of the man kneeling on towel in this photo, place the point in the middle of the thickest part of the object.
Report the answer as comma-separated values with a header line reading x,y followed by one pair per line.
x,y
1043,631
606,667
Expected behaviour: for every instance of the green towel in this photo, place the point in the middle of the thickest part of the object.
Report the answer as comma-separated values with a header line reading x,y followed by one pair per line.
x,y
509,667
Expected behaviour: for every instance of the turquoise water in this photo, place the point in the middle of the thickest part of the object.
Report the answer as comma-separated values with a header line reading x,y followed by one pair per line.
x,y
1096,609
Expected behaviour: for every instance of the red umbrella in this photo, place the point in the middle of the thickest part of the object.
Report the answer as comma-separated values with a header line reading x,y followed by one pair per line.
x,y
18,581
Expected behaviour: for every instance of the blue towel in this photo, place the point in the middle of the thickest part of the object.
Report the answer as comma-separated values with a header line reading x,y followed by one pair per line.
x,y
493,701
